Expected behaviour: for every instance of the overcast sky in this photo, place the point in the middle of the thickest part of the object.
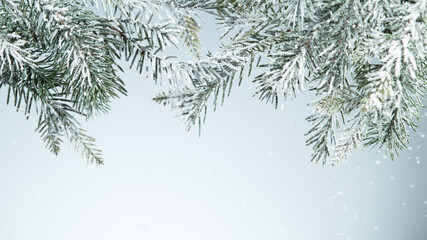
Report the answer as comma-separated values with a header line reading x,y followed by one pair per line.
x,y
248,176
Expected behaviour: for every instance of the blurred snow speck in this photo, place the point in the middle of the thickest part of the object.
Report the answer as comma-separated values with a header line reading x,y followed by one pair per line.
x,y
355,215
376,227
344,208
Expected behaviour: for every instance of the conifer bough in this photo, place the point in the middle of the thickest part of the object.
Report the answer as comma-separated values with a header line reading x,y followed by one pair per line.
x,y
366,61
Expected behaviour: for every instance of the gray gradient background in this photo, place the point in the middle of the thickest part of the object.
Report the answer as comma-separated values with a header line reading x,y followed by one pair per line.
x,y
247,177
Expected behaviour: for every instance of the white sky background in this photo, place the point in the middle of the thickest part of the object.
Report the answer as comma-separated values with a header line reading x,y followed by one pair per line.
x,y
247,177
